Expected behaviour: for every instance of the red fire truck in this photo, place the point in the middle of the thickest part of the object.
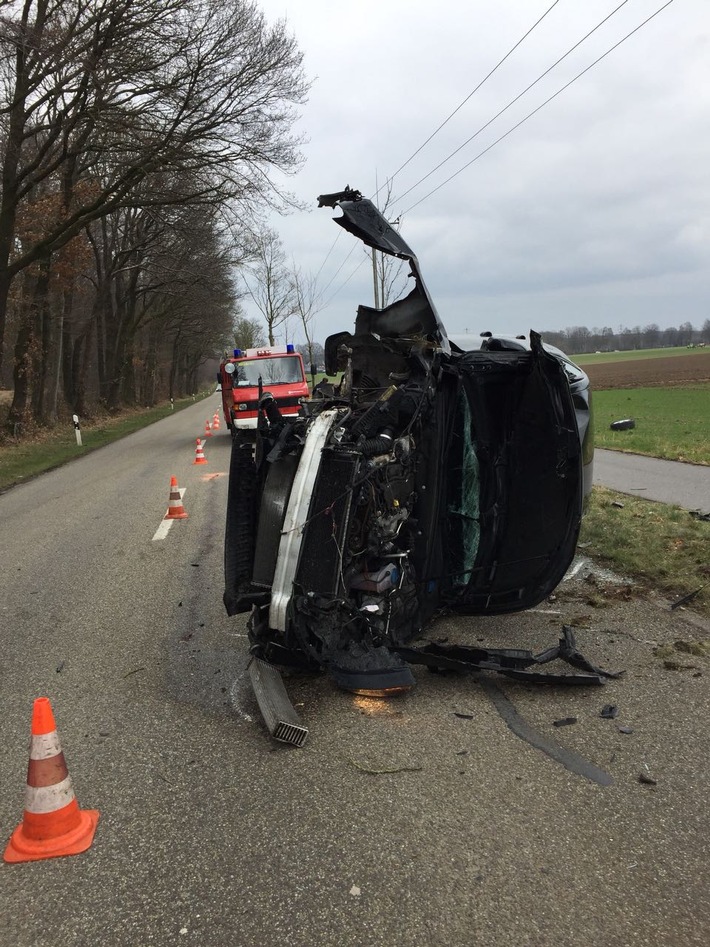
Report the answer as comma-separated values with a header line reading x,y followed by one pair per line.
x,y
250,374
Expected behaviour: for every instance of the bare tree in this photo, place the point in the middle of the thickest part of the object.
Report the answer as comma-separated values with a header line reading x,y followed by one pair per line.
x,y
388,272
268,283
97,98
248,333
307,303
685,333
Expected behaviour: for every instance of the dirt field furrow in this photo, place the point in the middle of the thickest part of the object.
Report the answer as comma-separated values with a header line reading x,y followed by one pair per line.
x,y
651,372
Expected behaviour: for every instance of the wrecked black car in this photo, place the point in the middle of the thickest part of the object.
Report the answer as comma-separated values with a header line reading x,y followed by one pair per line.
x,y
437,474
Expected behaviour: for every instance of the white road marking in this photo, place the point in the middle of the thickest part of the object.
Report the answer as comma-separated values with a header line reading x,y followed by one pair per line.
x,y
164,528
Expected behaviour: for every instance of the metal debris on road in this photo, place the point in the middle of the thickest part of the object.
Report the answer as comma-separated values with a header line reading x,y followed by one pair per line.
x,y
564,722
568,758
379,771
609,711
282,721
512,662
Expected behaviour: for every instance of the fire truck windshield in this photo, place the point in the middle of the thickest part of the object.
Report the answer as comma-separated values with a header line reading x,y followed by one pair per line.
x,y
273,371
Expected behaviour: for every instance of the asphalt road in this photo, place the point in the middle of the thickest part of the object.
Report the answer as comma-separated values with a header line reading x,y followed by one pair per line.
x,y
212,835
687,485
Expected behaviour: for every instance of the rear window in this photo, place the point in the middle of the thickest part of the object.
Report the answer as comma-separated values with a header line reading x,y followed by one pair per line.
x,y
273,371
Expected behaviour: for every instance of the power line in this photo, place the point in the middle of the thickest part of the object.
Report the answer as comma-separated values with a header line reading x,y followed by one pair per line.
x,y
512,102
332,278
462,103
536,110
425,143
345,282
325,258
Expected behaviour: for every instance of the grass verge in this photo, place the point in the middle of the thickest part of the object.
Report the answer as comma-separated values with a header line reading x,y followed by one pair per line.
x,y
21,459
670,422
659,546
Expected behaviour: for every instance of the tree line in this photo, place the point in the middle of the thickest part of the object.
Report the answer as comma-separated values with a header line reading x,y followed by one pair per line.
x,y
577,340
137,143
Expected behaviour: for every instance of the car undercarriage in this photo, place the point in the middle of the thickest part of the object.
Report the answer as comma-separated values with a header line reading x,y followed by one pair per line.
x,y
424,476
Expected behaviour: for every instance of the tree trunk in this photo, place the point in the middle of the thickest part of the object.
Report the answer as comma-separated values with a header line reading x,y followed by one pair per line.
x,y
34,297
41,341
80,367
68,345
18,408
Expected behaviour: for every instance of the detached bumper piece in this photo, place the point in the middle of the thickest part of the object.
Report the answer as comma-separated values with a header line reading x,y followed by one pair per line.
x,y
512,662
281,719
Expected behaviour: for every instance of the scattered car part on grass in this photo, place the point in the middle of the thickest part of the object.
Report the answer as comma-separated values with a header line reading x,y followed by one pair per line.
x,y
627,424
439,473
686,598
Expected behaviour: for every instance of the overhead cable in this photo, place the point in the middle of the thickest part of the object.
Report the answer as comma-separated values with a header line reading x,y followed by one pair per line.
x,y
512,102
345,282
433,134
464,101
536,110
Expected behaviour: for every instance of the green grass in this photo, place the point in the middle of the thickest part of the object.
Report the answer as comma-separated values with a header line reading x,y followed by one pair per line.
x,y
663,547
26,457
670,422
597,358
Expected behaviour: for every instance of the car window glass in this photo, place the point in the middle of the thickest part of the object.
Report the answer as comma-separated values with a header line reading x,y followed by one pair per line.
x,y
273,371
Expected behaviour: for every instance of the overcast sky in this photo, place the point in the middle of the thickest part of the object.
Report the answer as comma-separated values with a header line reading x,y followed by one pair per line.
x,y
594,212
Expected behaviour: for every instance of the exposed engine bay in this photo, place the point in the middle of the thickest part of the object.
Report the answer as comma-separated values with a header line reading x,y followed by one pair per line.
x,y
421,476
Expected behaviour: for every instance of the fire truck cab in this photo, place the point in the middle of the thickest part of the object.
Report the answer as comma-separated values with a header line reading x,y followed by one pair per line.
x,y
250,374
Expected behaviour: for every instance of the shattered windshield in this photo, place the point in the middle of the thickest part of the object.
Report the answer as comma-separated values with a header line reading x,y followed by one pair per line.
x,y
273,371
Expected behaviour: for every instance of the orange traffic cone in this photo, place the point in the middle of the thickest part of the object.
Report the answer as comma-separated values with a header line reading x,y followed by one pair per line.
x,y
215,422
176,511
199,454
208,430
53,824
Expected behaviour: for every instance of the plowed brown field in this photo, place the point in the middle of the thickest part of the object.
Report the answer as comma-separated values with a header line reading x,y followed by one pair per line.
x,y
650,372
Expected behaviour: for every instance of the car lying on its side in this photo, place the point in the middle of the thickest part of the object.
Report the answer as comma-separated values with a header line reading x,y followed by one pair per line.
x,y
438,473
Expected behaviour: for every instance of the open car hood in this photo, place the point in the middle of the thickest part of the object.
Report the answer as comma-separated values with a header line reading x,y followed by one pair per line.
x,y
416,313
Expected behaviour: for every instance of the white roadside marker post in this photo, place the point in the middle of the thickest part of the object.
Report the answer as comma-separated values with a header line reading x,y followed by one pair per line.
x,y
77,429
